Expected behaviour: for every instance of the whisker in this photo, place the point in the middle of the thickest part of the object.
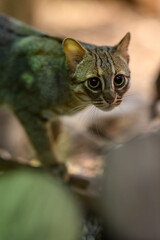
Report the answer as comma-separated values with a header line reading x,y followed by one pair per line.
x,y
94,116
76,109
130,94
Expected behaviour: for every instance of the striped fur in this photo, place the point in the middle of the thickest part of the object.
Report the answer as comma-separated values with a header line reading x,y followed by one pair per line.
x,y
43,77
103,63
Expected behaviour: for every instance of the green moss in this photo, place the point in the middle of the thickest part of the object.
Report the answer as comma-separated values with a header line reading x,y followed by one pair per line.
x,y
28,79
34,206
36,62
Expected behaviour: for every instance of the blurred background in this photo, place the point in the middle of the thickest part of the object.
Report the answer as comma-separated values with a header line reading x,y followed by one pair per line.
x,y
102,22
86,138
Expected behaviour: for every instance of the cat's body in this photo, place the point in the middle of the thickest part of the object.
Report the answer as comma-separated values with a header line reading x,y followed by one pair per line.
x,y
32,66
43,77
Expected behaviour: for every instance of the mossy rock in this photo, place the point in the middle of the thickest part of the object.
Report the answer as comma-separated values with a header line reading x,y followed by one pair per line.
x,y
34,206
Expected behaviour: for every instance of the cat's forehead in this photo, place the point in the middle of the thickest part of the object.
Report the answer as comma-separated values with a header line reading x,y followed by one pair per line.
x,y
104,62
112,62
100,62
107,62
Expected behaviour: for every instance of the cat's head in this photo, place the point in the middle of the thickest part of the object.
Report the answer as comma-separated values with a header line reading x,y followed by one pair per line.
x,y
100,74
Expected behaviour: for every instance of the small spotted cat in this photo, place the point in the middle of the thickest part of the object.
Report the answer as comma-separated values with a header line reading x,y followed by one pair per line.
x,y
44,77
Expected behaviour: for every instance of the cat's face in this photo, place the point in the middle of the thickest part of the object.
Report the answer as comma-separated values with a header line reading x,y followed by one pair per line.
x,y
100,75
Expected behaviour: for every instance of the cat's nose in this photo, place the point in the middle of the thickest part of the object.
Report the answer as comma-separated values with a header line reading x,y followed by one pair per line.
x,y
110,101
109,97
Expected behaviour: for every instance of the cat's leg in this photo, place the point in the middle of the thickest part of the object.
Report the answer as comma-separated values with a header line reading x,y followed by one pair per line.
x,y
55,128
40,140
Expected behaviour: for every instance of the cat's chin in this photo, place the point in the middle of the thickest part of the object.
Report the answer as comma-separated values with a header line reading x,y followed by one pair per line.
x,y
107,108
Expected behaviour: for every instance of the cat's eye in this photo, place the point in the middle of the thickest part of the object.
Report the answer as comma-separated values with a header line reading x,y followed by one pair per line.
x,y
119,81
94,83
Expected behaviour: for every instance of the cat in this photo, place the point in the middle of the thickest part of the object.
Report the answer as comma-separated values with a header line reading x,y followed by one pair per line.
x,y
44,77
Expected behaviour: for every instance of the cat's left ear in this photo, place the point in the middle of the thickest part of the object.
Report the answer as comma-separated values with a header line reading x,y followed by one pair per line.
x,y
74,52
122,46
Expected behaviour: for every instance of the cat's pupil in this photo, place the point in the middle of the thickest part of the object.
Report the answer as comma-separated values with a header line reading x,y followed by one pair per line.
x,y
119,80
94,82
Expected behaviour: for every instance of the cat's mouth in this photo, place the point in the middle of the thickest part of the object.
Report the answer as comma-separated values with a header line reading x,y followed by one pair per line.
x,y
107,106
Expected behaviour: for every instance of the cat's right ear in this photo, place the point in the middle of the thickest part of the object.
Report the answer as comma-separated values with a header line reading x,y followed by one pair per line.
x,y
74,52
122,47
